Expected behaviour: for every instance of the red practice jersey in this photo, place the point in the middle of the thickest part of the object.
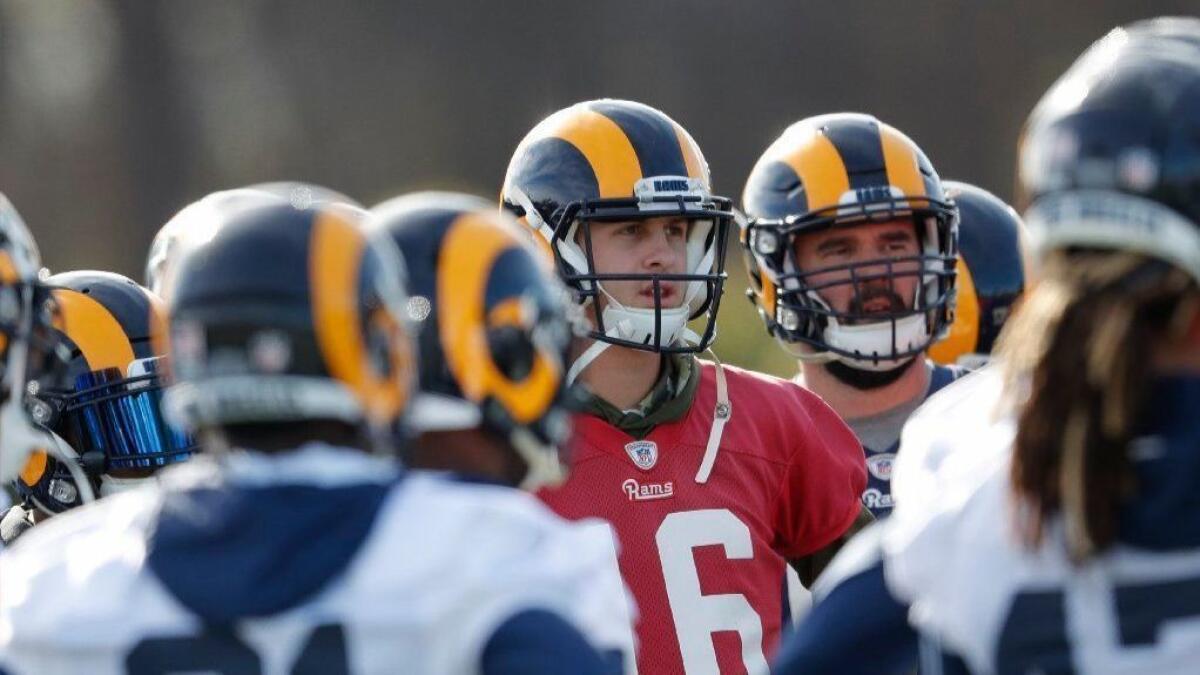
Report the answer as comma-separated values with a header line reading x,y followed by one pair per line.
x,y
705,561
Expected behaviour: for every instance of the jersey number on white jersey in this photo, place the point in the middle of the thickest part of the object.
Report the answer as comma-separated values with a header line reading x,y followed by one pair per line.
x,y
1035,636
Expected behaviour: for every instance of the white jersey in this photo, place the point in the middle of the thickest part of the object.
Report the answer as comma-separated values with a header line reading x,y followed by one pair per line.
x,y
444,563
950,551
5,505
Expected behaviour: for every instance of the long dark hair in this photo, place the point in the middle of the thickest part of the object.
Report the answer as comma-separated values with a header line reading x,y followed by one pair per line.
x,y
1078,357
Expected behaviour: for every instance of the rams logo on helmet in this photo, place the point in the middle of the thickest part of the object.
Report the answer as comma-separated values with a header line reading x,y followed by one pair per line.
x,y
493,337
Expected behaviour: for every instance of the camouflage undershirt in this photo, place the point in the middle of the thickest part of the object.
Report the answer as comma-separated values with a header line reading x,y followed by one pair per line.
x,y
669,399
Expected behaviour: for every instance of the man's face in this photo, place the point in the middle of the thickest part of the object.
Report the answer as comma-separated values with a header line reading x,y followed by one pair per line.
x,y
652,246
839,247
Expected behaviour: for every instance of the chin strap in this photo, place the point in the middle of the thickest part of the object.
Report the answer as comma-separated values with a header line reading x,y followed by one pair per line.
x,y
596,348
722,413
585,359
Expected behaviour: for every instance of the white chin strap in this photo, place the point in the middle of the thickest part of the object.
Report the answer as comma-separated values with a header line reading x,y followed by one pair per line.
x,y
876,338
868,338
722,413
637,325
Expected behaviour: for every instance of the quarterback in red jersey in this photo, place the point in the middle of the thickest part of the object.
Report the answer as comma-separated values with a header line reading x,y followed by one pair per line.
x,y
712,477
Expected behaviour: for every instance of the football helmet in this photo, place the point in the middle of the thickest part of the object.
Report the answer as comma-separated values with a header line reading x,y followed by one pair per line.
x,y
290,314
27,350
615,161
105,415
492,331
196,220
1109,157
842,170
991,275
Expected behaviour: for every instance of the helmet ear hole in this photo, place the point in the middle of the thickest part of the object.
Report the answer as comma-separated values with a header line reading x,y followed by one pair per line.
x,y
511,352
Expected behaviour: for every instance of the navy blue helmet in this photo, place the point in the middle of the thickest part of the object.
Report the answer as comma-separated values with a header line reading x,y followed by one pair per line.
x,y
105,411
991,274
1110,157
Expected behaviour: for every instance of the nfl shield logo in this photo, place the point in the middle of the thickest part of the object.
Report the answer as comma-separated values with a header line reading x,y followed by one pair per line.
x,y
643,453
881,465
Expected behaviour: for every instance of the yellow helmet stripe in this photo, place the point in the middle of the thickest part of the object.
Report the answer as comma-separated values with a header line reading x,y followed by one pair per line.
x,y
469,252
691,154
768,292
821,170
336,251
963,336
8,271
35,468
607,149
94,330
901,162
160,328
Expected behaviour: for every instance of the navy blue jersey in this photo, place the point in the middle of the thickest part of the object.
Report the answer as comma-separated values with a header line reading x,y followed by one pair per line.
x,y
878,495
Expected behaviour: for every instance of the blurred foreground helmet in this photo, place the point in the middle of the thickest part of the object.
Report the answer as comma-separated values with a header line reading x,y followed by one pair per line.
x,y
106,412
836,171
493,335
287,315
1110,157
615,161
27,348
991,275
197,220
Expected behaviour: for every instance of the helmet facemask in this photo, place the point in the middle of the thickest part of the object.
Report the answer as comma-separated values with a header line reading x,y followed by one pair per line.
x,y
107,429
859,338
662,329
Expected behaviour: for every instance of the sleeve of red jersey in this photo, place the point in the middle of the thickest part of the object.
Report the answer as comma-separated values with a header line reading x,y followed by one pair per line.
x,y
820,495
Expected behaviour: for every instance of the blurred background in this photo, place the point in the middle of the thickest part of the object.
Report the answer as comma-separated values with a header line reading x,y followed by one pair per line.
x,y
116,113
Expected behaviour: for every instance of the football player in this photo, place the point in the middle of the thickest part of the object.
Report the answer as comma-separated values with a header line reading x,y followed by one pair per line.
x,y
712,477
850,243
26,351
295,543
1045,518
106,417
990,278
493,339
